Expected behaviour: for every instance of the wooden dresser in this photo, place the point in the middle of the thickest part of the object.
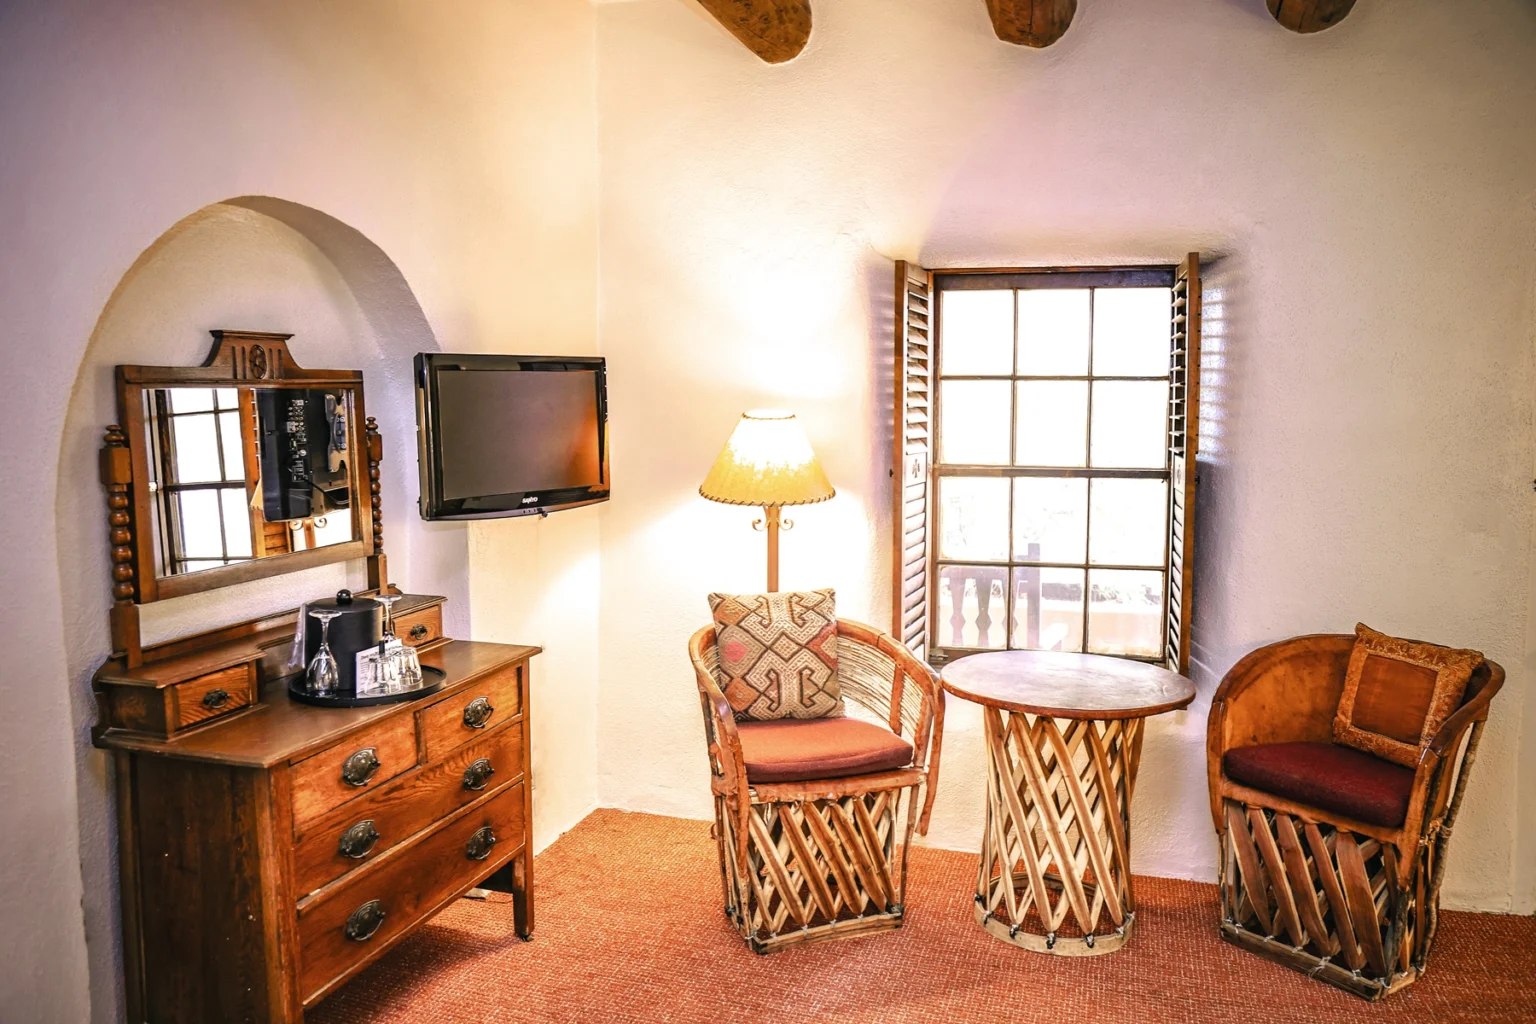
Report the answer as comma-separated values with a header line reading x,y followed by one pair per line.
x,y
270,850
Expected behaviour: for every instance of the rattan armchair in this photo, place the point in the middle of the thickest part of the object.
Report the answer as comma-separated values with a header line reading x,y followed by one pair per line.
x,y
808,860
1352,902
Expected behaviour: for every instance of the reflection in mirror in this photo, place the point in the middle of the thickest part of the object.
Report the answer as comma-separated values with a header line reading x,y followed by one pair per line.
x,y
243,473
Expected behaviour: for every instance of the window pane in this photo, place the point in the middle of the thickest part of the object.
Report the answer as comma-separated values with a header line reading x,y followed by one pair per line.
x,y
1052,423
1048,609
974,422
973,603
199,566
237,521
335,528
978,332
1128,522
229,434
1050,520
199,515
190,399
1125,612
1131,328
1130,423
227,398
1053,332
973,518
197,450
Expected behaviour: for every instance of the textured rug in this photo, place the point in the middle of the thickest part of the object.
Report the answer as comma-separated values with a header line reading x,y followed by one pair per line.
x,y
630,928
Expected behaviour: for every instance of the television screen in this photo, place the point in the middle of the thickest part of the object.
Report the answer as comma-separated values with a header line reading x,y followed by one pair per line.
x,y
509,435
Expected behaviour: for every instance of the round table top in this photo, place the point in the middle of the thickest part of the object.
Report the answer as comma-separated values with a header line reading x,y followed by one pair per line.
x,y
1066,685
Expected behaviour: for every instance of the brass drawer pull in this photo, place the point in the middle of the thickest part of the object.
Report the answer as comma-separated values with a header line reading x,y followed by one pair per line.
x,y
419,630
215,699
365,920
477,712
360,768
479,845
478,774
357,842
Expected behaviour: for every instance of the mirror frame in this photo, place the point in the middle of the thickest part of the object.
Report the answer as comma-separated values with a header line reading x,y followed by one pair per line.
x,y
237,359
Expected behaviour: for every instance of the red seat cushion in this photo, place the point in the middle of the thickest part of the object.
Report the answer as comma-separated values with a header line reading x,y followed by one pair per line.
x,y
793,750
1328,777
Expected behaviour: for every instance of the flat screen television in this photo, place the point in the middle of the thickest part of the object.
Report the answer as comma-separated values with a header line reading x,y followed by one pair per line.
x,y
510,435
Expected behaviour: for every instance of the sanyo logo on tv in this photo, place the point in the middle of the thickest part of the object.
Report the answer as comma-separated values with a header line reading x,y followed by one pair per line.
x,y
530,499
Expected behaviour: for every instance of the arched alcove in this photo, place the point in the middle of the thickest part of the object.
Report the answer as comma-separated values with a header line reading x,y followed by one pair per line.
x,y
249,263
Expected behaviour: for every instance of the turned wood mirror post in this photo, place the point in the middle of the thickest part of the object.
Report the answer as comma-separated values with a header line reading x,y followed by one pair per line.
x,y
246,467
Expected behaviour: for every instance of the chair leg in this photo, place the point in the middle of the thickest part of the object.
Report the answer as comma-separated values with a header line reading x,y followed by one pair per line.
x,y
817,869
1322,900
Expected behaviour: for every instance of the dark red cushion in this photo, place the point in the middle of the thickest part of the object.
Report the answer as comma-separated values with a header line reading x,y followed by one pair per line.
x,y
1328,777
793,750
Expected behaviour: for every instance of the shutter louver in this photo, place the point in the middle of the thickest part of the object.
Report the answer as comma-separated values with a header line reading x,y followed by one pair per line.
x,y
911,458
1183,445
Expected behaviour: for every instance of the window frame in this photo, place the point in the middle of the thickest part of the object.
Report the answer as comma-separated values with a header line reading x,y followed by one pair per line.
x,y
1161,275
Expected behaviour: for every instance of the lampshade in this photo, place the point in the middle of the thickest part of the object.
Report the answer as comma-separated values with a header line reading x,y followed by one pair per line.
x,y
767,461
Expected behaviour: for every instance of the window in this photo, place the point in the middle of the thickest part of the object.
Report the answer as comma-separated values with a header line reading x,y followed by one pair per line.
x,y
1042,444
199,466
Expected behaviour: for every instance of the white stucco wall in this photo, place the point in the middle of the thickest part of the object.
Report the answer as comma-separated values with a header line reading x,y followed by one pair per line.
x,y
1364,198
457,146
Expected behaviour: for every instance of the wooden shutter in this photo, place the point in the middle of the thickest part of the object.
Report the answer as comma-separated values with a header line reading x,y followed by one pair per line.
x,y
1183,444
911,450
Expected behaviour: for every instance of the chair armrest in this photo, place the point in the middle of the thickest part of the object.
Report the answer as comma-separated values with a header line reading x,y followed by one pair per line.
x,y
1284,692
720,733
927,726
1449,734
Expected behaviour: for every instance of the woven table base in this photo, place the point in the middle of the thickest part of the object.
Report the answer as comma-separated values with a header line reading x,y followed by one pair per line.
x,y
1055,858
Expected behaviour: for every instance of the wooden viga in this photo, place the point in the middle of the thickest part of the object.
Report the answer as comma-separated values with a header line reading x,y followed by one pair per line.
x,y
1036,23
808,861
1309,15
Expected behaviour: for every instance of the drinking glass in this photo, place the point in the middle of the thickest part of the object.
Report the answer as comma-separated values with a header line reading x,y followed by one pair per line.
x,y
409,669
324,677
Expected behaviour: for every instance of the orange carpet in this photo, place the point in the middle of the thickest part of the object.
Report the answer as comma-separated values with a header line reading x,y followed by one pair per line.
x,y
630,928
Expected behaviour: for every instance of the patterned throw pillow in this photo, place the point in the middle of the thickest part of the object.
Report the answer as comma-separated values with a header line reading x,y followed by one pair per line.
x,y
778,654
1397,694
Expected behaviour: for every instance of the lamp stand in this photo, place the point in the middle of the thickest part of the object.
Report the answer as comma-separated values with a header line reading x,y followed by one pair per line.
x,y
771,513
772,523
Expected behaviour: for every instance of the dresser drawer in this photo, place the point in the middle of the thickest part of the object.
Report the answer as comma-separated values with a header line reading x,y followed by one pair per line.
x,y
368,910
217,693
356,833
421,627
480,706
353,767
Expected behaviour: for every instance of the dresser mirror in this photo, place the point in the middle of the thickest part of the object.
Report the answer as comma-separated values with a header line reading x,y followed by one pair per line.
x,y
244,473
246,467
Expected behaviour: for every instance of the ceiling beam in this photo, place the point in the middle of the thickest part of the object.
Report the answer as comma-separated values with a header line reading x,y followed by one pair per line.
x,y
1034,23
775,30
1309,15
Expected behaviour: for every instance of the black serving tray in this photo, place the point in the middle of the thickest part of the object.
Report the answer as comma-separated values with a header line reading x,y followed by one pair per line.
x,y
438,680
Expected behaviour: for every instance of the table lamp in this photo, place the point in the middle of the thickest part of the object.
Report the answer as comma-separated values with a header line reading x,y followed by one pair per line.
x,y
767,462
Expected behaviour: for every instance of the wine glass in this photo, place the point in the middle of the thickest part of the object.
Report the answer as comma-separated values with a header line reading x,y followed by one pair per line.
x,y
390,676
323,676
388,601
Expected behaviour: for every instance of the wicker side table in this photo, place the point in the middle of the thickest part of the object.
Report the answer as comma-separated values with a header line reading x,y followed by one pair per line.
x,y
1063,735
